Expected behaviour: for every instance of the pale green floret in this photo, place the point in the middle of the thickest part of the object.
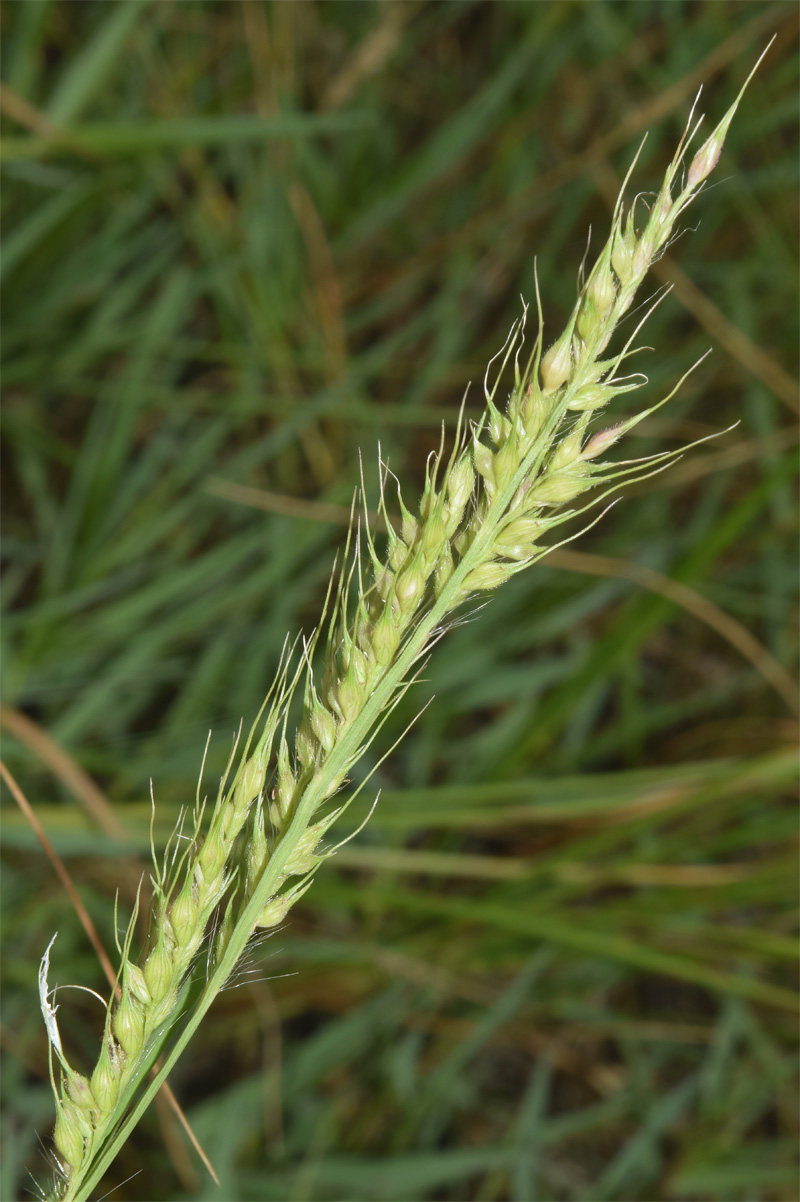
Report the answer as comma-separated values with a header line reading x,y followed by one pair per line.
x,y
601,441
158,972
410,587
128,1024
106,1079
588,319
278,907
349,696
445,566
385,637
506,462
484,465
622,252
459,490
602,288
213,855
257,852
183,916
136,982
593,396
556,365
566,452
705,161
303,858
324,726
522,530
251,782
80,1091
487,576
557,490
68,1135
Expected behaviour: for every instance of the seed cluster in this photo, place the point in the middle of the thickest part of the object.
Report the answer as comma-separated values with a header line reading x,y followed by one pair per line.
x,y
481,518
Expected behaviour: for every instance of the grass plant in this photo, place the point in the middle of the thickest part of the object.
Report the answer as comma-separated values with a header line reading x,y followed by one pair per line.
x,y
494,498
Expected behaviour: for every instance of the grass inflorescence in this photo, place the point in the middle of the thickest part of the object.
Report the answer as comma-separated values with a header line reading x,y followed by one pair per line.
x,y
487,511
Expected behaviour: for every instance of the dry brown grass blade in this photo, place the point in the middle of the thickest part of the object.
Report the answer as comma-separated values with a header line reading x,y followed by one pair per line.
x,y
677,876
694,603
66,769
501,868
62,874
20,110
273,502
91,933
370,55
328,293
570,561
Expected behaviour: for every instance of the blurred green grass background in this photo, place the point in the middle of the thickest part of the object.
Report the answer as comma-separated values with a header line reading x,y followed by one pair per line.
x,y
242,242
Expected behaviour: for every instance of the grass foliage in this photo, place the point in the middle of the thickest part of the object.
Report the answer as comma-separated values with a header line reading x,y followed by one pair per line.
x,y
241,243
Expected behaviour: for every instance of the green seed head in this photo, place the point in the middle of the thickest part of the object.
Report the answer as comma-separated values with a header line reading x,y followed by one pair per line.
x,y
410,585
385,580
592,396
212,857
516,551
128,1024
302,858
251,782
556,366
183,916
385,638
275,911
350,697
433,535
533,411
410,528
556,490
67,1135
499,427
257,853
459,490
522,530
601,441
277,907
506,462
285,782
306,743
642,257
486,576
323,724
484,463
79,1091
135,981
398,553
622,254
158,972
588,319
566,452
444,569
105,1080
602,290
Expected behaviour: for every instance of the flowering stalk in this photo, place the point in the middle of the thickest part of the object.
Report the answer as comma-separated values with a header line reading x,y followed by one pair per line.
x,y
484,515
